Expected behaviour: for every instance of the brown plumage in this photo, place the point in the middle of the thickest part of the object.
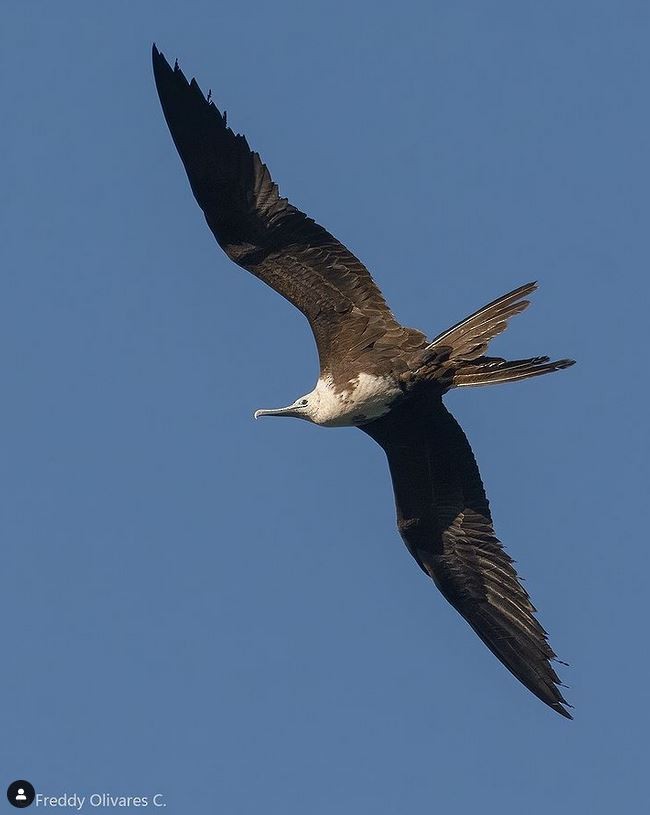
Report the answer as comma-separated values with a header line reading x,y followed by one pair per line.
x,y
386,378
444,519
268,236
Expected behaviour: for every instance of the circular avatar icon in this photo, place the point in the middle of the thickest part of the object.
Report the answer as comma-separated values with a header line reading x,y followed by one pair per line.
x,y
21,794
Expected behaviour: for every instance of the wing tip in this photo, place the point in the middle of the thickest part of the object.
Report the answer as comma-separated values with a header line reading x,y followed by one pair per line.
x,y
157,56
160,64
171,81
561,708
552,695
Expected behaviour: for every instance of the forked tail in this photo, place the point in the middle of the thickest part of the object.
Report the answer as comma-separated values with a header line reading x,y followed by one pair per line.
x,y
461,349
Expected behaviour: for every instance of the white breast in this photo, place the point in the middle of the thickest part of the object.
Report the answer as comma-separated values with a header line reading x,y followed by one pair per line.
x,y
366,397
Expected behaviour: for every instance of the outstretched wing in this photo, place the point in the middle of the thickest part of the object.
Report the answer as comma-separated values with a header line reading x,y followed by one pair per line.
x,y
444,519
265,234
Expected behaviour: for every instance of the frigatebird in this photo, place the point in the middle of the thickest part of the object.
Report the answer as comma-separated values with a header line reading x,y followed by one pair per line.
x,y
378,375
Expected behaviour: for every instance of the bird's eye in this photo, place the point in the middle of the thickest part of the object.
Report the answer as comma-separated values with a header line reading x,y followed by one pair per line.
x,y
303,401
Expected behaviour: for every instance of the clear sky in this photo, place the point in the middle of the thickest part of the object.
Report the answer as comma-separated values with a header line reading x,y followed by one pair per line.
x,y
221,610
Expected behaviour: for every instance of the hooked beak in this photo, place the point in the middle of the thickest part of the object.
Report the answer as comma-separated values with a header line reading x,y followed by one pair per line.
x,y
285,411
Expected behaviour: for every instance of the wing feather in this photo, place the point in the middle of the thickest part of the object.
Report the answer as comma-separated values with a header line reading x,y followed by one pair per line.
x,y
444,518
265,234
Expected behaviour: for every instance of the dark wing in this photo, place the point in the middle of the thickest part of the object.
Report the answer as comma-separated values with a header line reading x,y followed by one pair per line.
x,y
444,519
268,236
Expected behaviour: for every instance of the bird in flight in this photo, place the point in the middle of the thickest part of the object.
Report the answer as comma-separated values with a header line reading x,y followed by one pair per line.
x,y
378,375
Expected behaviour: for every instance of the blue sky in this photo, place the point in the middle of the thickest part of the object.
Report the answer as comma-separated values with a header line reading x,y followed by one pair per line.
x,y
221,610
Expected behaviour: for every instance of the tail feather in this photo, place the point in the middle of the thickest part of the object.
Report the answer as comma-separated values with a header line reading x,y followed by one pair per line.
x,y
493,370
458,354
469,338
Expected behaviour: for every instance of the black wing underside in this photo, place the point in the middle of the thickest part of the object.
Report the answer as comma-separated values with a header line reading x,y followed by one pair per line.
x,y
265,234
444,518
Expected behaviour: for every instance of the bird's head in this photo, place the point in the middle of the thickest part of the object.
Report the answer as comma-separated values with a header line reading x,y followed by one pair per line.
x,y
306,407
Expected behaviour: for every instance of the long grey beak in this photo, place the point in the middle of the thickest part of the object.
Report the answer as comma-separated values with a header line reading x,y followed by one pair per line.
x,y
285,411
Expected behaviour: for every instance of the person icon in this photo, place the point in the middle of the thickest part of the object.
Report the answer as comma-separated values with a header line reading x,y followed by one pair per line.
x,y
21,794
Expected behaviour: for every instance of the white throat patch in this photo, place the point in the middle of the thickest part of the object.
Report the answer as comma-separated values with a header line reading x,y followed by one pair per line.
x,y
365,398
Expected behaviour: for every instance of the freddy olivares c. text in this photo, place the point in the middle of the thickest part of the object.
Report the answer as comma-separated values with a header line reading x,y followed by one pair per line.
x,y
97,800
